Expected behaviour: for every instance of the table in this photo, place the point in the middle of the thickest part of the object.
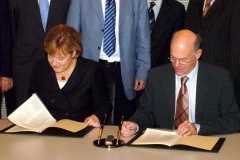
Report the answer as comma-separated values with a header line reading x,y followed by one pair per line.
x,y
37,147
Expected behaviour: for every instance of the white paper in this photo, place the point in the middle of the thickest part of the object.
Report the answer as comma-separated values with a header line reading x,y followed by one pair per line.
x,y
154,136
32,115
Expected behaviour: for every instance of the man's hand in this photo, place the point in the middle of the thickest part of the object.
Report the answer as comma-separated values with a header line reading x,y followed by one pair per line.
x,y
6,84
128,128
139,85
92,121
186,129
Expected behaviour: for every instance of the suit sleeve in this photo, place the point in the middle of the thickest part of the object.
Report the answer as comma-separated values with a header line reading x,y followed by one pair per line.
x,y
234,59
74,16
228,119
144,114
5,41
143,42
100,94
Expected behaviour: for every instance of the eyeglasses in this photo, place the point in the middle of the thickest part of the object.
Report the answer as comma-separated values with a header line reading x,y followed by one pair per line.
x,y
183,61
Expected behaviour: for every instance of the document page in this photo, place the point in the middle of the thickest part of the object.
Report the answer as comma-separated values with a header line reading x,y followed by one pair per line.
x,y
18,129
32,114
70,125
170,138
202,142
155,136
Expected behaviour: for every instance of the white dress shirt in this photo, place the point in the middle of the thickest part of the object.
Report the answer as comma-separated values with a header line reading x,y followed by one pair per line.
x,y
48,1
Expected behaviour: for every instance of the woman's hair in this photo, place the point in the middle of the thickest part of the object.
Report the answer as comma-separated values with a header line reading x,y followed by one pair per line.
x,y
62,40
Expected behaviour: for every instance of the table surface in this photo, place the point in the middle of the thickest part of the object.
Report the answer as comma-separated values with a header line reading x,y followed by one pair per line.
x,y
38,147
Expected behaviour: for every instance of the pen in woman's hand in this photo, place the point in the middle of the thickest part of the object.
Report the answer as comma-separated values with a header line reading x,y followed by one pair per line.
x,y
101,129
105,119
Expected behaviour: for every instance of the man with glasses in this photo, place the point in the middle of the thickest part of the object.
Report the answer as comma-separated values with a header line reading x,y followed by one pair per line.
x,y
207,104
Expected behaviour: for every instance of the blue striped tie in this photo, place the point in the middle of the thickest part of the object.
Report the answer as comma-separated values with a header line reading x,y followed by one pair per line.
x,y
44,7
109,38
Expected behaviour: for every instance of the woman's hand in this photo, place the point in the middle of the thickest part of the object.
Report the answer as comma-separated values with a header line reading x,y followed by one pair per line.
x,y
92,121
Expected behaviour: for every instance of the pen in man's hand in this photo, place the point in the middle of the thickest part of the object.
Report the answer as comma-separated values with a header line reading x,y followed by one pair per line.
x,y
119,131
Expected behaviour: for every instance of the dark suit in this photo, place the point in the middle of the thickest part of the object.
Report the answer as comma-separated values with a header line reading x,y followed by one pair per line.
x,y
220,33
170,19
216,108
28,36
6,52
84,93
5,40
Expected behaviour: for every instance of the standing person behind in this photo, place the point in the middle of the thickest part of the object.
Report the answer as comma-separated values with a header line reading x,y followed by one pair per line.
x,y
169,17
29,32
120,42
6,82
70,86
219,28
203,104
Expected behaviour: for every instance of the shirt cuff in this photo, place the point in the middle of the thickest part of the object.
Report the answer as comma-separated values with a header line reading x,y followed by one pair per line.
x,y
197,126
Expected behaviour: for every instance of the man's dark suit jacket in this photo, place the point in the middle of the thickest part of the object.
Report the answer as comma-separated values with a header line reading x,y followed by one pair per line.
x,y
84,94
170,19
220,32
216,108
28,36
5,41
6,53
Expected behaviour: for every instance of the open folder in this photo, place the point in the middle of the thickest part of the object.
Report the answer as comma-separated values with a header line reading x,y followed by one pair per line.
x,y
32,116
170,140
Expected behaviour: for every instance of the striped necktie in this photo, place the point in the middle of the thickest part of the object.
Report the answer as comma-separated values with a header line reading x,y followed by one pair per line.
x,y
44,8
182,104
109,38
151,15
